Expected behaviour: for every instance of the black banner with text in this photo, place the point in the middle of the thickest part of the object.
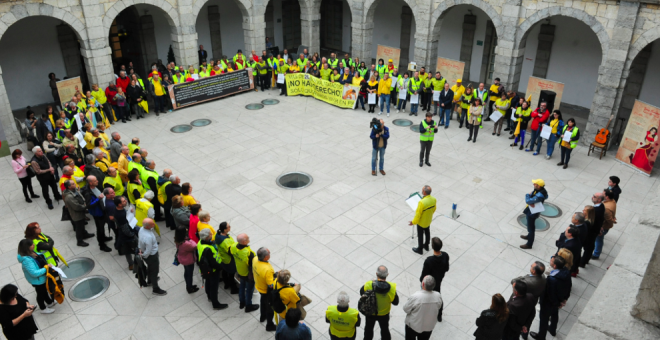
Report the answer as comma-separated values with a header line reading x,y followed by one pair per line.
x,y
209,88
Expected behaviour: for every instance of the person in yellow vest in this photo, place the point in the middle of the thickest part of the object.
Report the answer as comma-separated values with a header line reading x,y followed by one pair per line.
x,y
209,264
427,93
474,113
243,256
386,296
204,219
77,175
159,91
427,130
134,187
43,243
415,88
134,145
149,178
325,72
437,85
343,320
422,74
144,208
423,217
494,92
262,70
281,69
567,147
112,180
253,65
122,164
458,90
264,275
333,62
225,242
293,67
381,68
178,77
394,75
465,102
502,104
239,60
136,164
422,310
303,63
289,295
89,137
523,115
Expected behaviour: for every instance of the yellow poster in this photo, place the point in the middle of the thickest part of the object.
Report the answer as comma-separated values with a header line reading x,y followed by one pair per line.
x,y
386,53
451,70
67,88
639,146
536,85
343,96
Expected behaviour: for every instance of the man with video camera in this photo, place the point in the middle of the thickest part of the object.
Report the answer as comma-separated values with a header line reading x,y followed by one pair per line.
x,y
379,136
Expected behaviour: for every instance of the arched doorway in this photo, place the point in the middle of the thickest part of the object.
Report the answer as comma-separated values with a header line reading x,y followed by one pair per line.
x,y
336,18
283,25
220,28
393,26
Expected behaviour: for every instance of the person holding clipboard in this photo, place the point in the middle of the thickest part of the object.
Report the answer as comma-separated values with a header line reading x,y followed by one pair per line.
x,y
423,217
533,209
569,140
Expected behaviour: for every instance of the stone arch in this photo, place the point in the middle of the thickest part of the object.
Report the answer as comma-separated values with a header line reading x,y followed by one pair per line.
x,y
591,21
444,7
371,5
171,13
243,5
18,12
642,41
305,8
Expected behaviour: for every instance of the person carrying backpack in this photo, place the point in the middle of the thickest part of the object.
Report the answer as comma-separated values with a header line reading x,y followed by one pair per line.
x,y
385,297
209,267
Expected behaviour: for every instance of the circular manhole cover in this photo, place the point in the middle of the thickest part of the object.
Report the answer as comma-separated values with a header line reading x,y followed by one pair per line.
x,y
181,128
78,267
89,288
270,101
541,223
402,122
551,210
414,128
254,106
294,180
200,122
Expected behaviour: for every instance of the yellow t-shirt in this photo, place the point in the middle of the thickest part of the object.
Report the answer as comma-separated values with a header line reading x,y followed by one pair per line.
x,y
554,124
289,297
384,86
458,91
158,88
89,139
263,275
188,200
357,80
201,225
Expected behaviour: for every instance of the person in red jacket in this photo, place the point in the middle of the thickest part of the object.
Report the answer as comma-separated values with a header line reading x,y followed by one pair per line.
x,y
123,81
539,117
110,93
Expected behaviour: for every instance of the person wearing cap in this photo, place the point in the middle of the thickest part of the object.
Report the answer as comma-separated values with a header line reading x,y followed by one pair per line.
x,y
390,66
458,90
539,195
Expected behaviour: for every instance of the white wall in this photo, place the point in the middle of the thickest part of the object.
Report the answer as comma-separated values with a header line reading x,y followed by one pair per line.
x,y
651,85
574,60
387,27
29,50
231,28
346,28
451,35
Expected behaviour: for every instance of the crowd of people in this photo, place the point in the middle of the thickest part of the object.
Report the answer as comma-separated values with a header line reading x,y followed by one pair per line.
x,y
113,182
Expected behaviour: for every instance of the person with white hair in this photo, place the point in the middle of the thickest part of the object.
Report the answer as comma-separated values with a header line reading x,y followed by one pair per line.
x,y
209,267
94,204
144,208
149,251
115,146
92,170
45,175
386,296
100,160
343,320
243,255
263,278
173,189
422,310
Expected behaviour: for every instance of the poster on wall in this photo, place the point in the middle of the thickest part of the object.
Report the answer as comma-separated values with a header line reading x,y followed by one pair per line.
x,y
639,146
536,85
344,96
67,88
450,70
209,88
386,53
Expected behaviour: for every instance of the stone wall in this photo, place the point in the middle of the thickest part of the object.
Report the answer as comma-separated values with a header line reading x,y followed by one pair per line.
x,y
623,29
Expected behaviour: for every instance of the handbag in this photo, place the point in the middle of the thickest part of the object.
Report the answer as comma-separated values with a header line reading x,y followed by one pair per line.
x,y
65,214
29,170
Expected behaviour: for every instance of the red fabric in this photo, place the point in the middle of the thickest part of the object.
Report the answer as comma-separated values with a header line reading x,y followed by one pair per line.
x,y
255,57
159,75
62,186
123,83
192,228
110,94
539,119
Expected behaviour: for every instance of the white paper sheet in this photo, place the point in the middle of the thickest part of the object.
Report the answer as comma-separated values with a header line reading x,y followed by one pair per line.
x,y
372,98
280,78
413,201
513,112
130,216
496,116
81,139
414,99
537,208
546,131
402,94
78,122
59,271
195,76
436,96
567,136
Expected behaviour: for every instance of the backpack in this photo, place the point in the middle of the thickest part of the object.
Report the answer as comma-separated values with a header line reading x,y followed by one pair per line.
x,y
274,299
368,305
204,266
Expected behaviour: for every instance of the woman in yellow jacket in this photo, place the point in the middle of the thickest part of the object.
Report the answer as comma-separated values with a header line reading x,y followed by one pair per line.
x,y
372,88
186,191
384,88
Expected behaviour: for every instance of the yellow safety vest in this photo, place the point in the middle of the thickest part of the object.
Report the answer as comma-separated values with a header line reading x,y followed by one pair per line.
x,y
47,254
494,88
223,249
428,135
573,142
342,324
262,65
241,257
413,86
438,84
325,74
145,174
202,247
467,97
178,79
162,195
384,301
333,64
134,165
131,187
132,147
381,70
142,210
116,183
424,212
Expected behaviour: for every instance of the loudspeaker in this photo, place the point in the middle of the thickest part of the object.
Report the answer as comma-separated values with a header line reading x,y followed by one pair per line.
x,y
549,98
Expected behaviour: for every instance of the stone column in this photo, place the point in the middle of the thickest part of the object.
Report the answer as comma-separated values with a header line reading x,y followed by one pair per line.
x,y
254,33
543,51
8,133
424,46
310,26
214,26
467,41
406,29
508,60
148,40
361,41
609,89
184,37
70,51
634,82
95,51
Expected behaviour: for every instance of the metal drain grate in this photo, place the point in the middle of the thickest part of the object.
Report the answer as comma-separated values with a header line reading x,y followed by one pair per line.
x,y
270,101
200,122
78,267
254,106
294,180
551,210
402,122
541,223
89,288
181,128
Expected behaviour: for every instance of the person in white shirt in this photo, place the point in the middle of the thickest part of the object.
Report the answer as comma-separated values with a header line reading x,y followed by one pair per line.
x,y
149,251
422,310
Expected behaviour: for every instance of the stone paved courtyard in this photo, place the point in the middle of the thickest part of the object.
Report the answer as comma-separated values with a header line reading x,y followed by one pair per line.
x,y
333,234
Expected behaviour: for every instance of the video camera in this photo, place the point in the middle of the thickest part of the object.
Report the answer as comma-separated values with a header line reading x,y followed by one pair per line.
x,y
375,124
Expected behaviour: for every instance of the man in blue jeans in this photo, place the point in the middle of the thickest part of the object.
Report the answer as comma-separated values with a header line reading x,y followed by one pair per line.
x,y
608,223
379,136
539,195
445,104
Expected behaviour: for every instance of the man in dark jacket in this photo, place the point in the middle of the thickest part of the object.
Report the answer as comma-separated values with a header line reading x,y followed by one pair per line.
x,y
557,291
75,204
209,268
520,305
436,266
569,239
94,204
379,143
127,235
171,190
535,282
386,296
42,127
445,103
45,175
613,184
594,230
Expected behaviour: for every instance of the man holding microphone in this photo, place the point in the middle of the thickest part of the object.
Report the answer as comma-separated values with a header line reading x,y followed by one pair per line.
x,y
423,217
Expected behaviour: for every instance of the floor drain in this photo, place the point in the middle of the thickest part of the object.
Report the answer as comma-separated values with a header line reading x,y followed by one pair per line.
x,y
89,288
551,210
181,128
541,223
402,122
294,180
200,122
270,101
77,268
414,128
254,106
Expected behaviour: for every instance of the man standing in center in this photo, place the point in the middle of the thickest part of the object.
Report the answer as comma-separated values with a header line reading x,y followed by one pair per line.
x,y
427,130
379,144
539,195
386,297
436,266
149,250
263,277
423,217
